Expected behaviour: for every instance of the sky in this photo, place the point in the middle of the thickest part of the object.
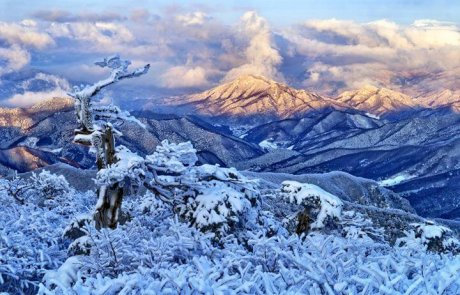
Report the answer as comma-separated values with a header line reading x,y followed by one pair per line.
x,y
277,12
327,46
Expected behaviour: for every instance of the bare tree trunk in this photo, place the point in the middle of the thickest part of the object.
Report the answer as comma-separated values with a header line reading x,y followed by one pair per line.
x,y
108,208
110,198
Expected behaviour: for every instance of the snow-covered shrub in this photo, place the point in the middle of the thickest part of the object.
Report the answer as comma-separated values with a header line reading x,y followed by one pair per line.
x,y
31,239
154,239
219,200
433,237
318,206
155,252
128,170
357,225
47,187
167,257
173,157
17,188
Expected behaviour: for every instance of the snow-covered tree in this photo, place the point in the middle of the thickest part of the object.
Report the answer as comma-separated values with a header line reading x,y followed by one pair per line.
x,y
209,197
16,188
97,131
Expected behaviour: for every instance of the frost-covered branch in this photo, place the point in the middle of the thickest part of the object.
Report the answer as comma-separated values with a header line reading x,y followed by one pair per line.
x,y
97,131
83,96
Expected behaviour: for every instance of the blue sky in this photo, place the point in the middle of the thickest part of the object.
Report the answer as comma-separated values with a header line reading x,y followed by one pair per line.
x,y
277,12
322,46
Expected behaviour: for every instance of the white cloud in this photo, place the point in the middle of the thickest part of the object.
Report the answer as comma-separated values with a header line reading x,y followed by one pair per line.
x,y
30,98
185,76
193,18
25,34
98,34
16,39
13,58
62,16
380,52
261,56
140,15
194,49
59,88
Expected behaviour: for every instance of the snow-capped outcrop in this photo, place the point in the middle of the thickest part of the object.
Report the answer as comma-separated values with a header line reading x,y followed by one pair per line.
x,y
377,101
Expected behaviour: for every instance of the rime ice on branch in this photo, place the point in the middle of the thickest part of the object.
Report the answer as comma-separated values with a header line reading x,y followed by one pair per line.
x,y
97,131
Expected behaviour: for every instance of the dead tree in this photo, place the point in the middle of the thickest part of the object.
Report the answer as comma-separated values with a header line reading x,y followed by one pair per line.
x,y
96,131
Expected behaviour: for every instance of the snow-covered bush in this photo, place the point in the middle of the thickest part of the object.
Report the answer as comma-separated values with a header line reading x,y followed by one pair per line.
x,y
165,256
357,225
41,188
128,170
31,239
433,237
154,239
155,252
171,157
218,200
46,187
17,188
318,206
168,243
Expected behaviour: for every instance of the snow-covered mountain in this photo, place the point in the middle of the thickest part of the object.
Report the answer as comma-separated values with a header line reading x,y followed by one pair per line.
x,y
318,135
446,98
255,95
377,101
24,118
416,156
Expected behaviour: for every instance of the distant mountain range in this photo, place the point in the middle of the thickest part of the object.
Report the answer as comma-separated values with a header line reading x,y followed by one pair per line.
x,y
251,95
410,145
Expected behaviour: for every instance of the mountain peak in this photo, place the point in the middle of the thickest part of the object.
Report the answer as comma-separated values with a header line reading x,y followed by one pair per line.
x,y
369,87
252,84
253,78
376,100
252,94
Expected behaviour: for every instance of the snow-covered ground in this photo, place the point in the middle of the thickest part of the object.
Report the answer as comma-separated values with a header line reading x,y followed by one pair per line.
x,y
223,234
396,179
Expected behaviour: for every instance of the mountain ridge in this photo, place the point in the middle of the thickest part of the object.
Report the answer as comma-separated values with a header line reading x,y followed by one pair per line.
x,y
252,95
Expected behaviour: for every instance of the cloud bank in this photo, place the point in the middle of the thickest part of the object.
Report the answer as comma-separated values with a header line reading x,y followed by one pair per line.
x,y
383,53
193,50
39,88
